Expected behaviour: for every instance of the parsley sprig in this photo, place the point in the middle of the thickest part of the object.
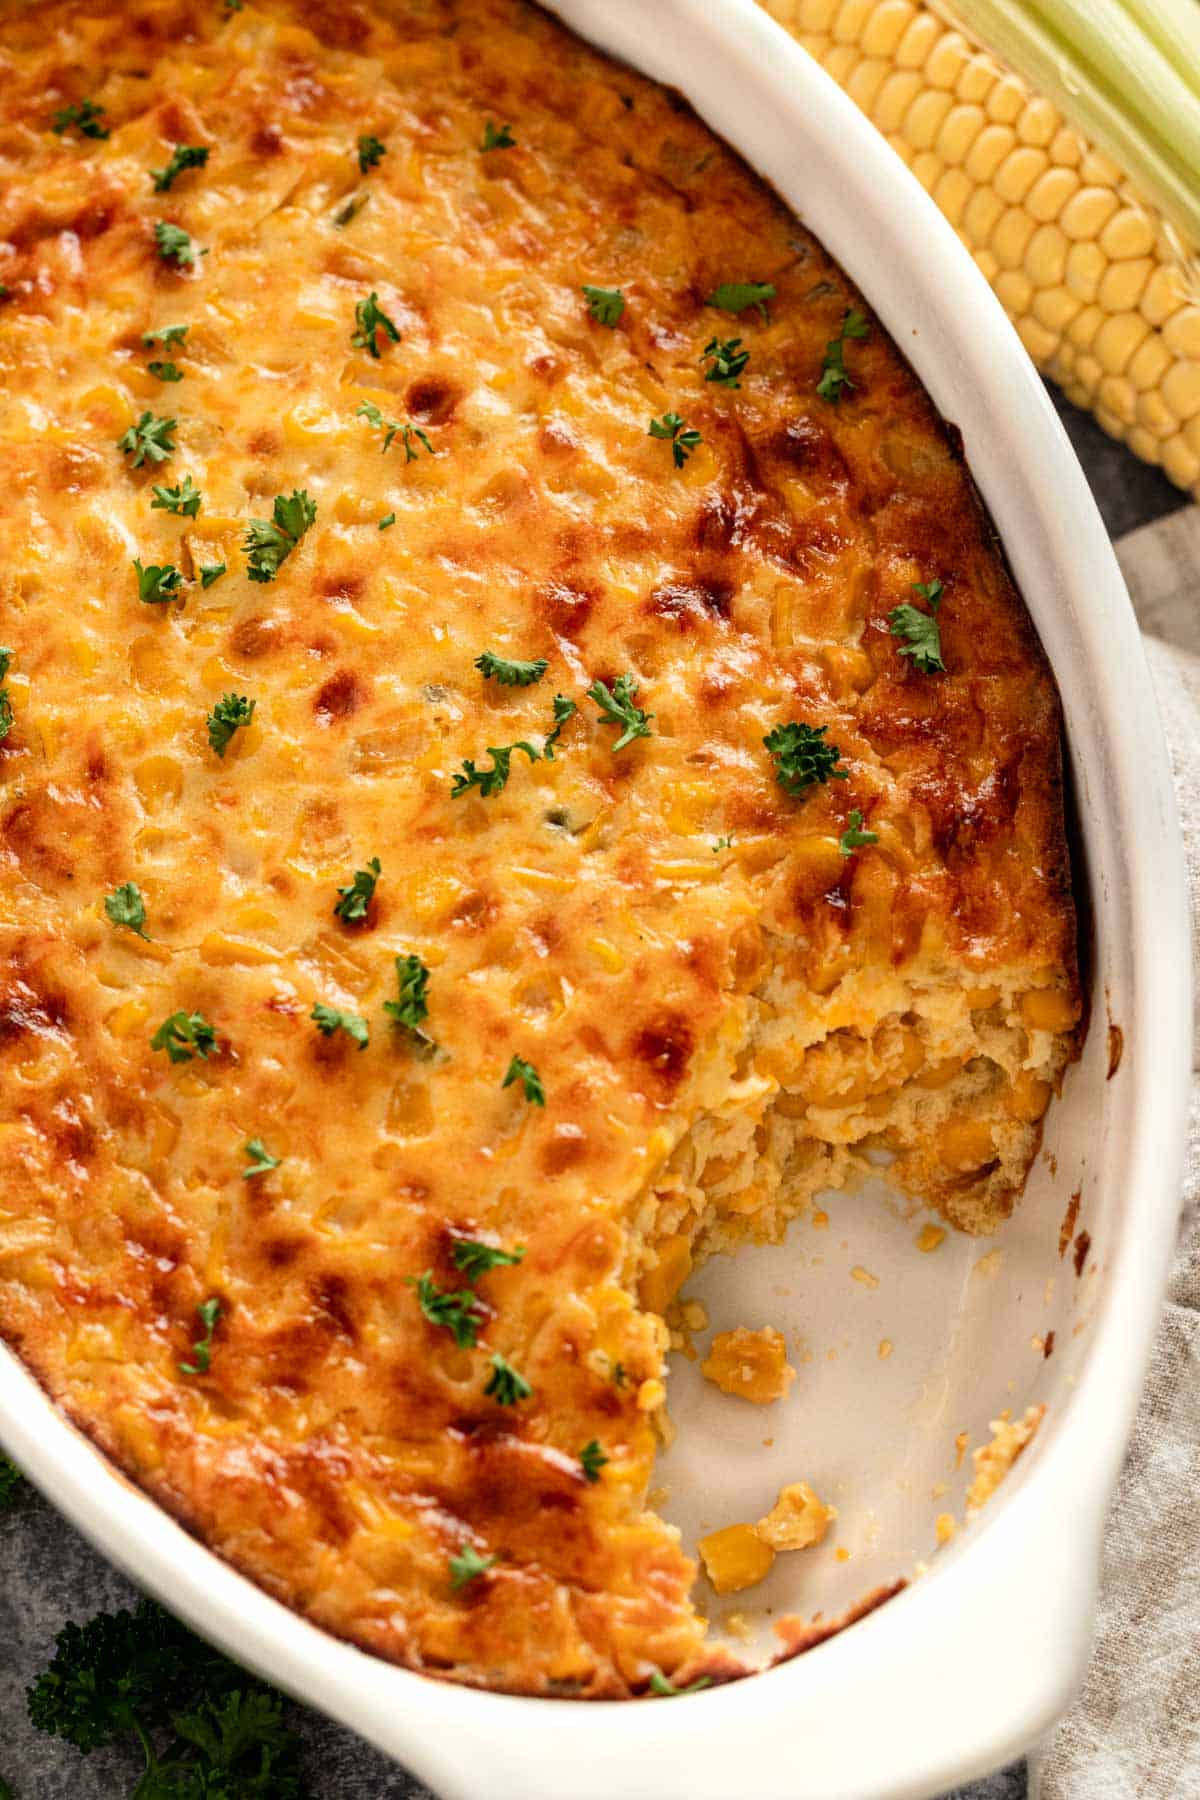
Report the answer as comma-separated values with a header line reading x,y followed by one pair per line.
x,y
174,245
230,714
727,360
468,1566
835,377
84,117
169,336
510,673
354,899
459,1311
370,318
329,1019
185,1035
497,137
682,437
527,1075
802,758
606,305
618,707
205,1727
591,1460
921,631
505,1386
261,1161
407,433
474,1259
165,371
854,837
183,499
125,906
370,151
489,781
410,1008
183,156
736,296
157,582
209,1312
149,440
6,711
210,572
269,542
564,710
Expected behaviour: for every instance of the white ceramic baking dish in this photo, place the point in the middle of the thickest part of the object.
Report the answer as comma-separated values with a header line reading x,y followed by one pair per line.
x,y
973,1661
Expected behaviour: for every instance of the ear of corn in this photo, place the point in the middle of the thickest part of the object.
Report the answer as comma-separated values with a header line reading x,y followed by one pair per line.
x,y
1102,290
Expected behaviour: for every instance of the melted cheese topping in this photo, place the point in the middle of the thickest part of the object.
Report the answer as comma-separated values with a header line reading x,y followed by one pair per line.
x,y
719,1031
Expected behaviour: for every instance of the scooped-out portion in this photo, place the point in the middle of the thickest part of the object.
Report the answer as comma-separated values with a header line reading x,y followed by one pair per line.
x,y
521,762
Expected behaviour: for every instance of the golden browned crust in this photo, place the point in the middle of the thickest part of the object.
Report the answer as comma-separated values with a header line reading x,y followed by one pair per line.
x,y
718,1031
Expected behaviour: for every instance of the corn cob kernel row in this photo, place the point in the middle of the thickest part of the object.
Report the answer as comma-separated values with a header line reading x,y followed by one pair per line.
x,y
1098,286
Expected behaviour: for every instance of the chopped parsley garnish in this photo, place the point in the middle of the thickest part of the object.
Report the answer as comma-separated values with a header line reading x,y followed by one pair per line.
x,y
618,1374
459,1311
606,305
351,210
920,630
184,499
370,151
834,378
157,583
667,1689
474,1259
591,1460
174,245
209,1311
727,360
497,137
854,836
722,843
165,371
683,438
802,757
185,1035
410,1009
149,440
356,898
505,1386
387,519
369,411
508,673
527,1075
328,1019
369,317
183,156
6,711
85,116
261,1161
234,6
168,337
618,708
736,296
468,1566
269,542
210,572
489,781
126,907
231,712
564,709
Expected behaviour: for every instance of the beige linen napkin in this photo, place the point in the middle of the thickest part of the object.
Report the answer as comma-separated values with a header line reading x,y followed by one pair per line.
x,y
1134,1732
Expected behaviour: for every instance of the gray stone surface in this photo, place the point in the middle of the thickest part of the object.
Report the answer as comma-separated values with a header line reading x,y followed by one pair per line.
x,y
48,1574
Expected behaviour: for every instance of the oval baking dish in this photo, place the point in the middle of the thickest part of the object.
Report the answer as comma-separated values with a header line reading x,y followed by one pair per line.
x,y
973,1659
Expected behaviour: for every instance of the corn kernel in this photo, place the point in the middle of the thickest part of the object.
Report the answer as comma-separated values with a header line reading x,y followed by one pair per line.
x,y
735,1558
798,1519
752,1365
1048,1009
660,1284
